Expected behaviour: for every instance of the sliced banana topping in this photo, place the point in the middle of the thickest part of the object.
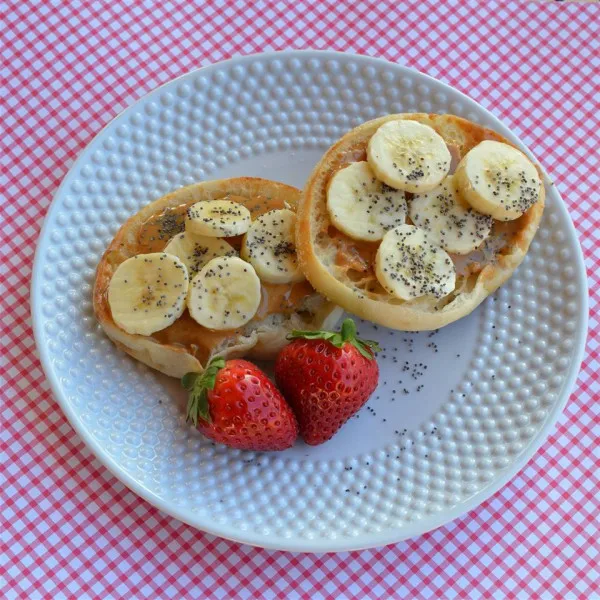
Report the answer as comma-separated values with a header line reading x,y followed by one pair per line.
x,y
409,156
362,206
225,294
409,265
498,180
217,218
270,247
450,222
147,292
196,250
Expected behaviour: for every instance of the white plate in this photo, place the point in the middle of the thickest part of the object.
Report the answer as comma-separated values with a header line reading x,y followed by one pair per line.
x,y
495,381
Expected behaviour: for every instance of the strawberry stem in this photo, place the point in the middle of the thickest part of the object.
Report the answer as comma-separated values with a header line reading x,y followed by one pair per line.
x,y
347,335
348,330
198,385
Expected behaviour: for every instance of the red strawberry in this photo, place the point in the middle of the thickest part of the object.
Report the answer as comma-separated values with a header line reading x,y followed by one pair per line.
x,y
236,404
326,377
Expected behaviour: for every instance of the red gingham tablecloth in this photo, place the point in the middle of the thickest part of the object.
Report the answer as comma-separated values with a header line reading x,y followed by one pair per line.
x,y
68,528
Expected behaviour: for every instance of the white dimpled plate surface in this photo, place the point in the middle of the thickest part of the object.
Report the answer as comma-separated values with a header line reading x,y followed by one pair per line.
x,y
456,413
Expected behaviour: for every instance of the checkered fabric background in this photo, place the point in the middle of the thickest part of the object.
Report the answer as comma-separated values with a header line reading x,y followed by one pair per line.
x,y
70,529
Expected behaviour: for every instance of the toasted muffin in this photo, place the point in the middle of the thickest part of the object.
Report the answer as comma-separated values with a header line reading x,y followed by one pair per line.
x,y
185,345
343,268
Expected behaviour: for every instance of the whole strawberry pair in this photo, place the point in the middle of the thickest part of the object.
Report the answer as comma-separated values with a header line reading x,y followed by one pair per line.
x,y
325,377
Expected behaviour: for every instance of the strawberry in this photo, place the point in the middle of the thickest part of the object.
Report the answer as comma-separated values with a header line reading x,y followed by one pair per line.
x,y
236,404
326,377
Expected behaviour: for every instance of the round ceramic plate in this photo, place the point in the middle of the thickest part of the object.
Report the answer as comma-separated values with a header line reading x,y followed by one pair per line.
x,y
457,412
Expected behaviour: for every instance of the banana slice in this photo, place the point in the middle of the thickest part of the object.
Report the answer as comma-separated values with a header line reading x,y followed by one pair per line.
x,y
147,292
195,251
217,218
450,222
409,265
409,156
498,180
225,294
270,247
361,206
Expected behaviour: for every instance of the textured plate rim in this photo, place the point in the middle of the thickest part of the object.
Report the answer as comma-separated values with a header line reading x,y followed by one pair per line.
x,y
342,544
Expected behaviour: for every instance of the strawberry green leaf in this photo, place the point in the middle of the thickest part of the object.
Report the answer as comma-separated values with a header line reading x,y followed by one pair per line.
x,y
198,385
347,335
188,380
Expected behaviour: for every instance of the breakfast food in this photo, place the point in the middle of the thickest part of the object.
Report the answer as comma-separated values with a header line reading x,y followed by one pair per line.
x,y
234,403
172,292
326,377
472,205
409,221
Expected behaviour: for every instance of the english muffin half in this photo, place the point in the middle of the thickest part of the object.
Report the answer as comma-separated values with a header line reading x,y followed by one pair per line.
x,y
184,344
412,220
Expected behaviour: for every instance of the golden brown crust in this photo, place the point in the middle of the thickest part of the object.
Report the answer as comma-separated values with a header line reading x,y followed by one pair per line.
x,y
175,360
317,253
